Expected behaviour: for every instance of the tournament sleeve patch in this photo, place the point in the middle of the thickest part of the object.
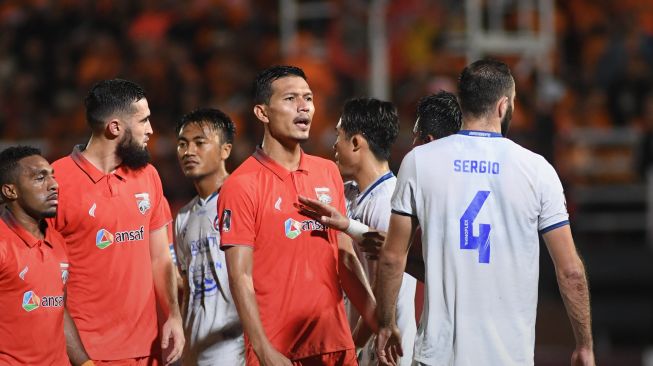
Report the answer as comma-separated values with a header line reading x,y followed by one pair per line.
x,y
226,220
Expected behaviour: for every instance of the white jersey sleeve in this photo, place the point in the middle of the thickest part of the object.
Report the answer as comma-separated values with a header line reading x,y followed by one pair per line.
x,y
403,199
554,207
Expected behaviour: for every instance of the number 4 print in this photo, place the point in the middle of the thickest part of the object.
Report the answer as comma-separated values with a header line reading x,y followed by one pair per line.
x,y
467,238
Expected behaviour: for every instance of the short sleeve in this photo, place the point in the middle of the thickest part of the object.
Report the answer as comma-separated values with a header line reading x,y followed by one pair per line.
x,y
403,198
160,209
237,212
553,212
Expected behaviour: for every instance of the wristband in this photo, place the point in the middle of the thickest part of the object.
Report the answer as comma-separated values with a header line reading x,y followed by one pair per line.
x,y
356,229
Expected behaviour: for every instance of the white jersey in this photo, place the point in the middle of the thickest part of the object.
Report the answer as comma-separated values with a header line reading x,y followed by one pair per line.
x,y
372,207
214,335
480,200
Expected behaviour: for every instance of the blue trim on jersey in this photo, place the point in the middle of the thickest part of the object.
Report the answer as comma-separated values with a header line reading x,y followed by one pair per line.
x,y
554,226
400,213
479,133
383,178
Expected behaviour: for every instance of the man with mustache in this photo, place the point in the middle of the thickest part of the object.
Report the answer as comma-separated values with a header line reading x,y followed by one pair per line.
x,y
287,272
114,220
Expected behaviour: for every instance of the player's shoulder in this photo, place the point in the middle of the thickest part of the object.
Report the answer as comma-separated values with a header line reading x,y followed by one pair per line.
x,y
523,153
246,176
64,163
319,163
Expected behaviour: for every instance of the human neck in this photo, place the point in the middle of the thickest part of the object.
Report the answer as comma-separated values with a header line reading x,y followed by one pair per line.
x,y
102,154
28,222
287,156
369,172
481,124
209,184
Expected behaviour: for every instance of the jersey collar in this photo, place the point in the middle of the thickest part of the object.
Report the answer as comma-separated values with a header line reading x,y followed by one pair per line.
x,y
376,183
20,231
94,173
479,133
275,167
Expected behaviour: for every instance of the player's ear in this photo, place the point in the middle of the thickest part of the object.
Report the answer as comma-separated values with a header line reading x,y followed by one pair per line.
x,y
9,192
429,138
113,128
357,141
502,107
260,111
225,151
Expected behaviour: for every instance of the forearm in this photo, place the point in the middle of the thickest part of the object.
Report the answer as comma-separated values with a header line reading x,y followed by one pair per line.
x,y
74,347
165,285
575,295
356,286
390,275
242,290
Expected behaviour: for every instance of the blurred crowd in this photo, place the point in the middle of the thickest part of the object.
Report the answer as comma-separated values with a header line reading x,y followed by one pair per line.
x,y
193,53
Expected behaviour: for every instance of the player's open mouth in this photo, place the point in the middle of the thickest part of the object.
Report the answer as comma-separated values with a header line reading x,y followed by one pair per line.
x,y
302,122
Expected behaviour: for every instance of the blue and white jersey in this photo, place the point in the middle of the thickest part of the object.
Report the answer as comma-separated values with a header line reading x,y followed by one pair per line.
x,y
481,200
214,334
372,207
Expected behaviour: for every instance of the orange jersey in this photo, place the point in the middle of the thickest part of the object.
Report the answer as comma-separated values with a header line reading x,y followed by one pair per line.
x,y
32,277
106,220
295,258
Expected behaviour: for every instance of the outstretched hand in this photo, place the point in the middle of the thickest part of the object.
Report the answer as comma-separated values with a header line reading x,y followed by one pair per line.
x,y
327,215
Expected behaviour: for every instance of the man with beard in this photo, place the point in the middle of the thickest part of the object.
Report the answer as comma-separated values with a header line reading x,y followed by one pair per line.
x,y
33,266
213,331
480,200
287,272
114,220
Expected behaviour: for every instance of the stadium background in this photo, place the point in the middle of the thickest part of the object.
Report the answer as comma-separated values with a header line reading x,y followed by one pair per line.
x,y
584,71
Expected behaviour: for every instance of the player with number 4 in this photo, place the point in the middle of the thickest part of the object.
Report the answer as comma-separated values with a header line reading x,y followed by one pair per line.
x,y
481,201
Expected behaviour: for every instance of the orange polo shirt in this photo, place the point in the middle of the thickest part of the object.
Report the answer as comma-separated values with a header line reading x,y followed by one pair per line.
x,y
295,258
106,220
32,277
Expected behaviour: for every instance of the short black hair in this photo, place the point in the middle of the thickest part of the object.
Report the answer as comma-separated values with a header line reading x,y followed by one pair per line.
x,y
482,84
438,115
214,118
108,97
376,120
9,159
264,80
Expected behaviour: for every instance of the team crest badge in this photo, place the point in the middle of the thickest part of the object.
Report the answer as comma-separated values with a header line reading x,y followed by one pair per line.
x,y
143,202
322,194
226,220
64,272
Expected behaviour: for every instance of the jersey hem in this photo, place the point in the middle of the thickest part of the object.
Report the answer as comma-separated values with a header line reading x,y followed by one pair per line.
x,y
554,226
229,245
401,213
